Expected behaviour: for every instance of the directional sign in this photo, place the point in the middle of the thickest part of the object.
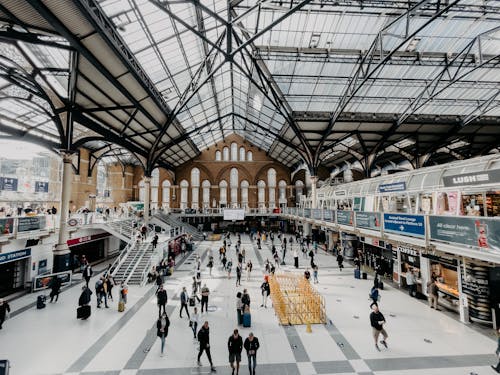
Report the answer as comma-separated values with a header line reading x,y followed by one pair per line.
x,y
410,225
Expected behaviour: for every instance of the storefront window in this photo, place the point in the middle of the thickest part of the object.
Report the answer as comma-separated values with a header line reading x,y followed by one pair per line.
x,y
472,204
493,203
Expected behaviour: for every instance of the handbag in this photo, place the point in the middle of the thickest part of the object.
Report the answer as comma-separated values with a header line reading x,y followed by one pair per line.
x,y
190,323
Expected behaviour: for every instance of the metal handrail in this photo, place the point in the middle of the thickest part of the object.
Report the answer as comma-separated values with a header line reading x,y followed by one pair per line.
x,y
136,261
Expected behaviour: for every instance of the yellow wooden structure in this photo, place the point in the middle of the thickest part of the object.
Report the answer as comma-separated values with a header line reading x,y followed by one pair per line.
x,y
295,300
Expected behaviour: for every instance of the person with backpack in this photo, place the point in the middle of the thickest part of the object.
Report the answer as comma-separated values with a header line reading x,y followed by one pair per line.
x,y
100,293
377,322
266,291
374,295
204,340
235,346
184,302
245,300
162,325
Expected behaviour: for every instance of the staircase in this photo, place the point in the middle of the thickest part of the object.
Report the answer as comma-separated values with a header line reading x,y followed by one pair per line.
x,y
175,221
122,229
132,267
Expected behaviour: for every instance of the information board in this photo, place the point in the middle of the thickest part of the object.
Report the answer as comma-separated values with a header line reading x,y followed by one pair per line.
x,y
234,214
26,224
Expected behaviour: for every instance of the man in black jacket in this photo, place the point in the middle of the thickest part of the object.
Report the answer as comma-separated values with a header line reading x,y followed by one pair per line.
x,y
161,297
204,339
235,346
377,322
251,345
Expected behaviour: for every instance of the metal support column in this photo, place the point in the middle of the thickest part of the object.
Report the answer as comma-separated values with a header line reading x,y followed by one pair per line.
x,y
147,198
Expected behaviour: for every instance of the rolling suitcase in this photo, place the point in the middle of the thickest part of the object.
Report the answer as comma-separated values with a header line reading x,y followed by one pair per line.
x,y
83,312
247,320
381,285
357,274
40,302
365,276
192,301
121,306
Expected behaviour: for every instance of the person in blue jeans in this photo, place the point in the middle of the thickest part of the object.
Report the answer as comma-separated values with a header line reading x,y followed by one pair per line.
x,y
497,367
162,325
251,346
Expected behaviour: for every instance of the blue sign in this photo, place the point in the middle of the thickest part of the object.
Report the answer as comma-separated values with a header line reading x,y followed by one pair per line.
x,y
389,188
14,255
8,184
328,215
41,187
412,225
344,217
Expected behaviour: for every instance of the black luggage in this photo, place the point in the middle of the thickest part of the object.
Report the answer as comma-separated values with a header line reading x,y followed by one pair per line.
x,y
365,276
83,312
40,302
192,301
381,285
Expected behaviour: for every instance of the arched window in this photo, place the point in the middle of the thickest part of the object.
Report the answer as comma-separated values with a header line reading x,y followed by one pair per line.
x,y
261,194
142,191
282,192
195,187
271,180
165,195
234,152
233,183
206,193
249,156
299,191
242,153
225,154
223,193
244,193
184,194
155,183
218,156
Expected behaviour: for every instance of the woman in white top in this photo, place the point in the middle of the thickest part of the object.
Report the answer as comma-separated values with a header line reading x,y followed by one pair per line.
x,y
194,320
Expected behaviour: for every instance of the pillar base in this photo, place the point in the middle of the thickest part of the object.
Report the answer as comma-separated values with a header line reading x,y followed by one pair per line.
x,y
62,259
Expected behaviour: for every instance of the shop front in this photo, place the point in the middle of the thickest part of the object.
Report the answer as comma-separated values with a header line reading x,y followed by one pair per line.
x,y
92,248
14,267
377,254
408,258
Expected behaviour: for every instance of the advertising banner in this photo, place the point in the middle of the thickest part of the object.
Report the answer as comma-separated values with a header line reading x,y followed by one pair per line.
x,y
26,224
472,231
328,215
395,186
6,226
8,184
316,213
369,220
410,225
344,217
14,255
474,178
43,282
41,187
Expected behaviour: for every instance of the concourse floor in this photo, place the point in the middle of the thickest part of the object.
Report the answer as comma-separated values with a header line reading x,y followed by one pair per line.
x,y
421,341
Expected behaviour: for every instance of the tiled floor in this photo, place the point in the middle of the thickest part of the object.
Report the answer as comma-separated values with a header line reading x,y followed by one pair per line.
x,y
421,341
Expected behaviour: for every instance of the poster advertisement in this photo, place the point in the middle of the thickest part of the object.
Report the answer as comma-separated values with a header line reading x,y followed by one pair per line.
x,y
410,225
316,213
328,215
344,217
447,203
472,231
26,224
41,187
43,282
369,220
8,184
6,226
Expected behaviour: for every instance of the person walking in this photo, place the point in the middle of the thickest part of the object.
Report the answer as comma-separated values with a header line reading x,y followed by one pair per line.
x,y
377,322
229,267
99,291
123,292
4,310
340,261
245,301
249,269
110,282
55,286
162,325
411,281
375,295
235,346
161,298
266,291
432,290
307,274
194,321
87,273
184,302
205,292
296,258
210,264
497,352
315,274
251,346
154,242
238,274
204,340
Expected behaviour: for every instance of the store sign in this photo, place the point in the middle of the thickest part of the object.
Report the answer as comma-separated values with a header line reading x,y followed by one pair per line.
x,y
369,220
26,224
412,225
408,250
41,187
339,193
72,222
472,231
14,255
8,184
445,261
6,226
344,217
389,188
93,237
486,177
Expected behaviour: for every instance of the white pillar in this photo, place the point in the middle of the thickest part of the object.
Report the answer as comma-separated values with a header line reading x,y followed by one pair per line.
x,y
314,196
147,195
61,251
